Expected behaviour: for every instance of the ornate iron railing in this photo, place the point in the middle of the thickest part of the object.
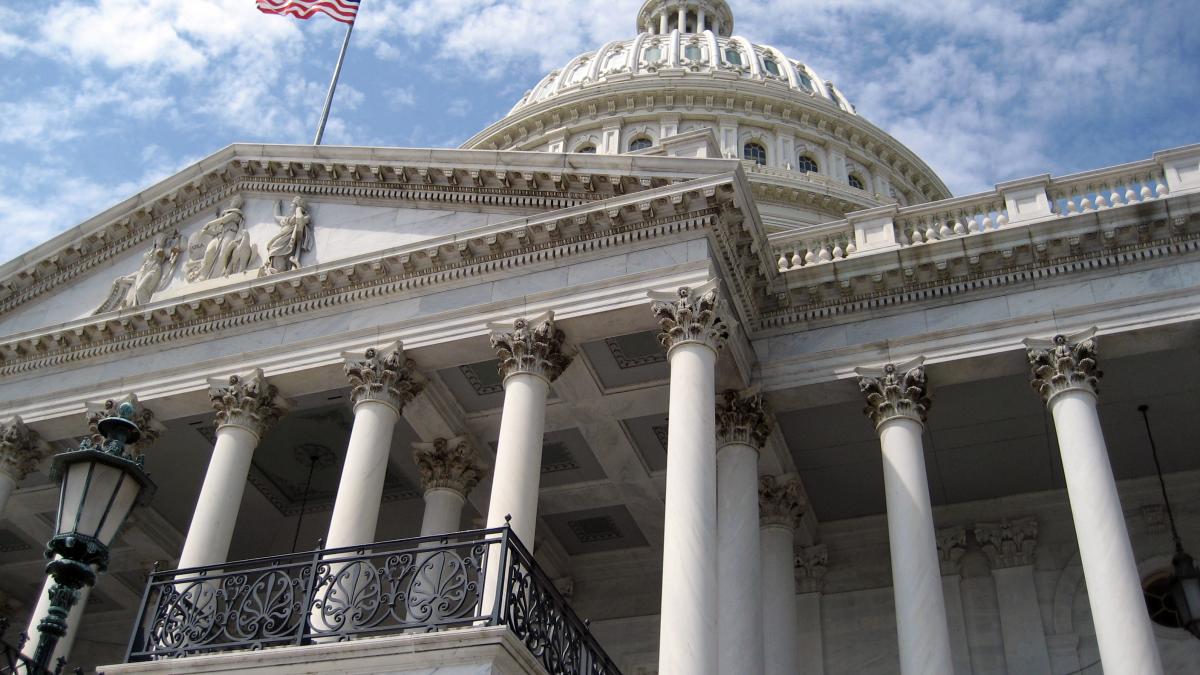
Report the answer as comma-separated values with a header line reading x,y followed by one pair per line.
x,y
476,578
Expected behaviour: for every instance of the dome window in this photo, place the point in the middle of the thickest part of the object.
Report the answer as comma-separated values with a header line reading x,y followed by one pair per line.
x,y
806,164
653,55
856,182
733,57
805,80
587,149
693,53
755,153
640,143
772,67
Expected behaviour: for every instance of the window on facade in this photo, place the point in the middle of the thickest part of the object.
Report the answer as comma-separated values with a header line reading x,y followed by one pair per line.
x,y
806,164
653,55
856,182
805,80
755,153
640,144
834,100
772,67
692,53
733,56
588,149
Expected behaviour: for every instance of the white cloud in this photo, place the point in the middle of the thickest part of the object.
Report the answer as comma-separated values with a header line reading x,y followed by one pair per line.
x,y
400,97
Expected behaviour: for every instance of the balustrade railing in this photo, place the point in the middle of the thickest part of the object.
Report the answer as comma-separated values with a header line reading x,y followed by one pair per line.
x,y
408,585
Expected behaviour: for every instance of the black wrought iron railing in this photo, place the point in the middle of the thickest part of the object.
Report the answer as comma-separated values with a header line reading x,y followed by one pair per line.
x,y
476,578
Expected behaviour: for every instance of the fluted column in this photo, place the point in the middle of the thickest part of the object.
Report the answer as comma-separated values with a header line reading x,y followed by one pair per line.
x,y
449,468
21,451
742,429
897,405
382,383
1009,547
246,407
532,355
693,332
781,505
810,566
1065,375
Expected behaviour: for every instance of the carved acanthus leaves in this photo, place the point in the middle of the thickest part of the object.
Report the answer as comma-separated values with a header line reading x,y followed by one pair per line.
x,y
383,376
951,545
1008,543
810,567
449,463
1064,363
743,419
131,409
247,401
21,449
897,391
781,501
692,316
536,347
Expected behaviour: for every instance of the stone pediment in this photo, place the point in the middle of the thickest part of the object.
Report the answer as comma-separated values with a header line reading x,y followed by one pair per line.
x,y
234,218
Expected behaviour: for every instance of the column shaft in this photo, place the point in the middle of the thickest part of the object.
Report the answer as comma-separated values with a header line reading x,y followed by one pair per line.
x,y
518,470
779,602
211,531
360,491
739,591
8,485
689,590
809,651
1123,631
920,608
443,512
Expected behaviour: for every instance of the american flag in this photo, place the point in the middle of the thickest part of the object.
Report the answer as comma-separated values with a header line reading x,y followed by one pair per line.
x,y
339,10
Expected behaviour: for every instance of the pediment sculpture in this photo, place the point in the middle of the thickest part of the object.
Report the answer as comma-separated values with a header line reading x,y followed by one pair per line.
x,y
153,275
295,237
222,247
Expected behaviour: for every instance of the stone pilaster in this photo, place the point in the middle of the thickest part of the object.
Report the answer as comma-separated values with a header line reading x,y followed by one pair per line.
x,y
21,449
951,544
781,501
535,347
1008,543
744,420
449,463
390,379
692,317
810,566
247,401
1064,363
897,391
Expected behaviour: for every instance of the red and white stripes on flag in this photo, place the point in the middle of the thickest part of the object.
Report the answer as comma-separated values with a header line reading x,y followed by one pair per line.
x,y
340,10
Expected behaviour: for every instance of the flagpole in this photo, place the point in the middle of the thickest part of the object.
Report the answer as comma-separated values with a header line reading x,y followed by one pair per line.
x,y
333,85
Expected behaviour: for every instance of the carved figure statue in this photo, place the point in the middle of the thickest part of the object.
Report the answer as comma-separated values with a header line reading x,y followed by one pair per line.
x,y
294,238
211,249
153,275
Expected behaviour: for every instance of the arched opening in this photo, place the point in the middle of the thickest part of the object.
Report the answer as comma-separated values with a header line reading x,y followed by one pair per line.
x,y
640,143
856,182
586,149
755,152
806,164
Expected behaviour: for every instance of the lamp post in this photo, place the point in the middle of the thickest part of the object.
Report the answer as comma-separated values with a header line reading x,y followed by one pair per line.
x,y
1185,584
101,483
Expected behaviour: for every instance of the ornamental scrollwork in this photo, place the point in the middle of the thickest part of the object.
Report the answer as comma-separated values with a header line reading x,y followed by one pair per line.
x,y
1064,363
534,347
248,401
692,317
896,392
390,379
450,463
781,501
21,449
743,419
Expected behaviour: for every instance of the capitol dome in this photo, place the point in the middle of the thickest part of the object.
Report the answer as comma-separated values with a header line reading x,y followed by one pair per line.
x,y
811,158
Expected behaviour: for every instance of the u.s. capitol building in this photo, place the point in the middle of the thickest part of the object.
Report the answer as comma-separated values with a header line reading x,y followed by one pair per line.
x,y
681,367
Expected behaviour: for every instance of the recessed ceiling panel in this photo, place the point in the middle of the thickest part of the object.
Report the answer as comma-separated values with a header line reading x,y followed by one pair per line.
x,y
626,360
649,437
610,528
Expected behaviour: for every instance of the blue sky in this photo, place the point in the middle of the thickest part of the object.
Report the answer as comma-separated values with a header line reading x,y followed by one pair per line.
x,y
101,98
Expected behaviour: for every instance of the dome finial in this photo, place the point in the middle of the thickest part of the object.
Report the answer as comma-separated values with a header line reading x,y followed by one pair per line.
x,y
660,17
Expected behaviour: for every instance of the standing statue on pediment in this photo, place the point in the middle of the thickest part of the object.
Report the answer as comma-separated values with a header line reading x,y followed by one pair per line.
x,y
153,275
294,238
218,248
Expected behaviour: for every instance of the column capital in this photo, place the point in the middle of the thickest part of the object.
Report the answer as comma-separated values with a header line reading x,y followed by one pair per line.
x,y
810,566
1008,543
21,449
895,392
1064,363
142,416
691,315
743,419
383,376
248,401
533,346
449,463
951,545
781,501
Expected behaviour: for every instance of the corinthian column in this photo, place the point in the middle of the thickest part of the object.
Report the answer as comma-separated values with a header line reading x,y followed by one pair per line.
x,y
21,451
246,407
1065,375
449,469
781,505
693,332
742,429
532,355
381,385
897,404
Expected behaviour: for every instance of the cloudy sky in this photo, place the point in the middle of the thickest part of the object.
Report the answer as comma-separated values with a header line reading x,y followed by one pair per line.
x,y
100,98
